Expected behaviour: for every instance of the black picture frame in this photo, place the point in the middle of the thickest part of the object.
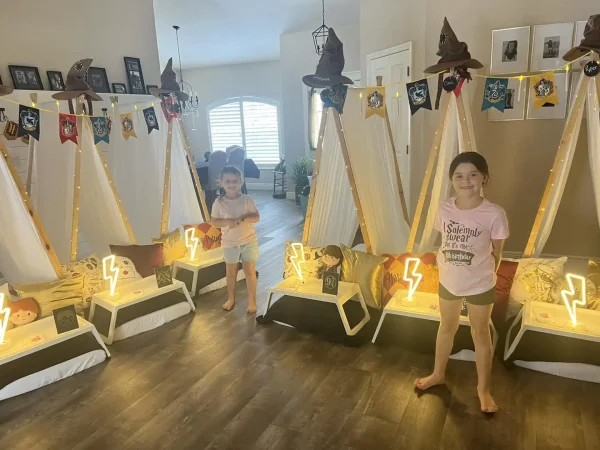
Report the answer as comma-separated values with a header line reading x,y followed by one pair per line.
x,y
65,319
150,86
119,88
331,283
163,276
98,81
26,77
135,76
55,78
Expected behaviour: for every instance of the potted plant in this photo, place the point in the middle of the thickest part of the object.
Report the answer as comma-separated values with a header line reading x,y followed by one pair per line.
x,y
300,170
304,196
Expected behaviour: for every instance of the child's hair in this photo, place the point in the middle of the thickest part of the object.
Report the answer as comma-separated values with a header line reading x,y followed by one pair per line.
x,y
335,251
470,157
25,304
230,170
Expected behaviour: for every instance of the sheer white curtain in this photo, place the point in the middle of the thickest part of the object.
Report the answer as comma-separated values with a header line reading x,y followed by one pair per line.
x,y
23,258
593,114
561,180
334,218
371,157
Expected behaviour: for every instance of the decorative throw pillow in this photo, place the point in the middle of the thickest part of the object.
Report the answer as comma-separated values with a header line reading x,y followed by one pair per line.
x,y
173,246
312,265
504,281
145,258
535,279
393,277
367,271
592,287
209,235
51,295
91,270
127,272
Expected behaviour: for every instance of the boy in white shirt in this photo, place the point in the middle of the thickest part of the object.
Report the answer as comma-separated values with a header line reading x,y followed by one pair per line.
x,y
236,214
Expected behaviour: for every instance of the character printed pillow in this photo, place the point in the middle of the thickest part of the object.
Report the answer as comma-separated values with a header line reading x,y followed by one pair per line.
x,y
127,272
592,287
209,236
91,270
312,266
393,276
536,278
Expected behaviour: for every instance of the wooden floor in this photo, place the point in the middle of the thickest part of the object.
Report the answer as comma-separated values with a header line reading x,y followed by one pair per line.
x,y
218,380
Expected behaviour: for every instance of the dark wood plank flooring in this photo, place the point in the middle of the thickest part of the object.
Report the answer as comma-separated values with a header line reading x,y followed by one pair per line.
x,y
220,381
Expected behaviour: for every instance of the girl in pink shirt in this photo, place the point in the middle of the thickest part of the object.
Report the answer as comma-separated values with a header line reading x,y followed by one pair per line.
x,y
473,233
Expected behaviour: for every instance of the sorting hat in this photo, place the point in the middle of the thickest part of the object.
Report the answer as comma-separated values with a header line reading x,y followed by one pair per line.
x,y
454,54
76,83
330,67
5,90
169,84
590,41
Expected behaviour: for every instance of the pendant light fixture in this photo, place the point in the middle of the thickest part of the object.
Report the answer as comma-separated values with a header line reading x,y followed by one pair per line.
x,y
189,106
321,34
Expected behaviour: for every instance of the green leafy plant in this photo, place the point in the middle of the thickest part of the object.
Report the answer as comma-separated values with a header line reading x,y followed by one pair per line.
x,y
301,169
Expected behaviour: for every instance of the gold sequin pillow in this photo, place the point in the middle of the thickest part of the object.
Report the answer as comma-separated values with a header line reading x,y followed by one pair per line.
x,y
51,295
367,271
593,285
173,246
91,270
311,267
536,278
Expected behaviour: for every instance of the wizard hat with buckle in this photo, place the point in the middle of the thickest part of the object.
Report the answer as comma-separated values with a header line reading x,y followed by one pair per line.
x,y
77,84
330,67
454,54
5,90
590,41
169,84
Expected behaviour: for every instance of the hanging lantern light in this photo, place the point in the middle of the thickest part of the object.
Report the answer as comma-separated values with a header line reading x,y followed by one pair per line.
x,y
191,105
320,35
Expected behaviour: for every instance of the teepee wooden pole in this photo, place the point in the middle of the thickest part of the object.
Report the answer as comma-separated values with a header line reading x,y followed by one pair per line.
x,y
76,183
580,97
30,165
433,154
315,178
166,203
351,179
34,217
192,163
395,159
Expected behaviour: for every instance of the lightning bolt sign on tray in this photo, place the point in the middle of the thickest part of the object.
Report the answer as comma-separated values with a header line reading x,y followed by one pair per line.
x,y
191,242
414,278
298,258
110,272
4,313
569,296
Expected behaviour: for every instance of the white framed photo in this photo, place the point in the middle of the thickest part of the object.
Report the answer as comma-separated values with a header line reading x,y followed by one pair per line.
x,y
552,111
579,29
510,51
515,104
550,43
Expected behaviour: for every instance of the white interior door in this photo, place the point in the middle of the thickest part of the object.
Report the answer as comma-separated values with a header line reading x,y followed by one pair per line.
x,y
394,66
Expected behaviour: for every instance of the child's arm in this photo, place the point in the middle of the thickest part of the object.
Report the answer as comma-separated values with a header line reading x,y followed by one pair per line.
x,y
497,246
222,223
251,218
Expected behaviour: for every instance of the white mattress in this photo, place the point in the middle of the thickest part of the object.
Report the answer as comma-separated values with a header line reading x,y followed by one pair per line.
x,y
151,321
53,374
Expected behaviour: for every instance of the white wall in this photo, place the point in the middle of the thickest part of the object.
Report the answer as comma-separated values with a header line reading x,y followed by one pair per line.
x,y
52,35
221,82
532,144
298,58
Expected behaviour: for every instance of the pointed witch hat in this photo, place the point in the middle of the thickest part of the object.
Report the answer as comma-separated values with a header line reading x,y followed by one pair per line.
x,y
76,83
169,84
454,54
330,67
590,41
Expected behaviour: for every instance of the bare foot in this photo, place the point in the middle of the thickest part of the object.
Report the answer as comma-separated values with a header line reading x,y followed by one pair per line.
x,y
430,381
228,306
488,405
251,307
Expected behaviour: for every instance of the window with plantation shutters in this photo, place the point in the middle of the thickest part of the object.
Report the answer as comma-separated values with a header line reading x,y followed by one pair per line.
x,y
252,123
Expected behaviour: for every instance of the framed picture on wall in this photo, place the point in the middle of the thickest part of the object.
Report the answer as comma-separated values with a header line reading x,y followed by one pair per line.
x,y
510,51
98,80
25,77
135,77
119,88
515,103
56,80
579,29
549,111
550,43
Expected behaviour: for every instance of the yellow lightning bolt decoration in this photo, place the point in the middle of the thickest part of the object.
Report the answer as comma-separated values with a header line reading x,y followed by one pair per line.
x,y
568,295
191,242
414,278
4,313
296,262
111,272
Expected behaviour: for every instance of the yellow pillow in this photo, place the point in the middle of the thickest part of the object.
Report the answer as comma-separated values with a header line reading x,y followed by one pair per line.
x,y
52,295
367,271
173,246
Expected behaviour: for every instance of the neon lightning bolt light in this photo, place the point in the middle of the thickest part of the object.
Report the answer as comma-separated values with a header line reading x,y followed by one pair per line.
x,y
4,313
568,295
298,258
110,272
191,242
414,278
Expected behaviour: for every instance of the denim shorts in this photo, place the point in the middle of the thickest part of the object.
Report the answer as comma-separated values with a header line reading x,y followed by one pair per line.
x,y
485,298
245,253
